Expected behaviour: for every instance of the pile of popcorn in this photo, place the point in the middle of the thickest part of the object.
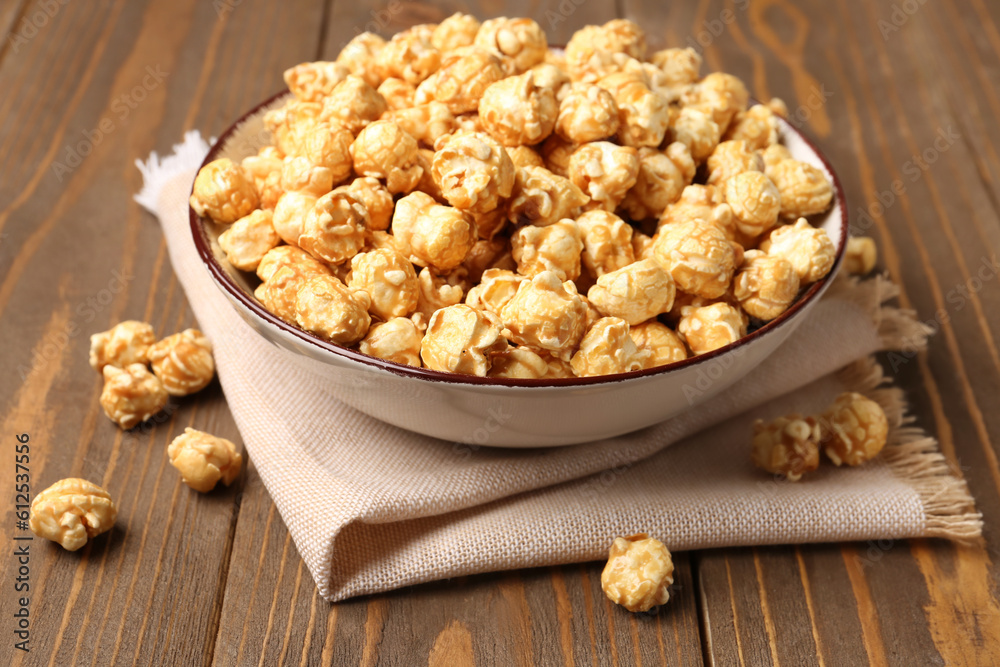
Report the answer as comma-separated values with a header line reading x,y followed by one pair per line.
x,y
463,198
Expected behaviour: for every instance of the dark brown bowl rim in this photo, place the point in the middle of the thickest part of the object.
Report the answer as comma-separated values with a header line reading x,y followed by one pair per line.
x,y
248,301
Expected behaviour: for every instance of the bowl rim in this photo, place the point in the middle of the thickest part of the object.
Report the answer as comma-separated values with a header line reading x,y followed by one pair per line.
x,y
250,303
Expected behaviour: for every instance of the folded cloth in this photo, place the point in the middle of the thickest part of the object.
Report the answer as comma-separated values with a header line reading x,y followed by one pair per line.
x,y
372,507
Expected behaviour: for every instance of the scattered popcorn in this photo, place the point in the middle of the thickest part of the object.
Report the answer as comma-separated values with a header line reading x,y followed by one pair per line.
x,y
183,362
124,344
787,446
131,395
638,574
72,511
854,429
861,255
203,460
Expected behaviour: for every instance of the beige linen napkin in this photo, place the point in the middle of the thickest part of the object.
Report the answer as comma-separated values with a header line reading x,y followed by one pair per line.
x,y
372,507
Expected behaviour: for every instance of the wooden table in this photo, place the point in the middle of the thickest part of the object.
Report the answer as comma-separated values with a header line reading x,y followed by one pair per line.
x,y
903,93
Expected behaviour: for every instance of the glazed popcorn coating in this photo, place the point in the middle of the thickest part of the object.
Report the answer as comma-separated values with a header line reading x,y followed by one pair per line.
x,y
642,245
755,202
223,192
704,203
376,199
662,177
643,115
552,77
334,230
425,157
425,122
638,574
124,344
436,292
398,94
289,256
720,95
516,111
809,249
696,130
324,306
546,313
554,248
490,224
289,120
854,429
679,66
556,153
248,240
757,126
298,174
607,242
773,155
359,57
495,289
520,363
384,150
804,189
787,446
430,234
409,55
542,198
311,82
710,327
71,511
729,159
204,460
397,340
183,362
765,285
635,293
520,43
860,255
131,395
279,291
461,339
591,51
487,254
525,156
323,143
462,80
390,281
658,344
455,31
587,113
698,257
604,171
354,104
264,169
606,348
473,171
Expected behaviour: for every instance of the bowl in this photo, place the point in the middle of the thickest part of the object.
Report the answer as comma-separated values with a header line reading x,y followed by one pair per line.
x,y
507,412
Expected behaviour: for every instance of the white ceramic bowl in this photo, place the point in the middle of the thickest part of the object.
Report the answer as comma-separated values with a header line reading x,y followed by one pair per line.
x,y
499,412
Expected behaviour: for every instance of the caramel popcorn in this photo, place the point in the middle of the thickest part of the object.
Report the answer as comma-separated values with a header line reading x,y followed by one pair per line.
x,y
425,122
642,245
473,171
680,67
525,156
385,151
519,363
658,344
643,114
131,395
855,430
542,198
720,95
552,77
288,123
554,248
710,327
773,155
410,55
591,51
334,230
698,257
696,130
71,511
430,234
520,43
390,281
638,574
495,289
607,348
264,169
183,362
298,174
787,446
489,224
359,57
860,256
704,203
461,339
289,256
323,143
454,32
809,250
311,82
765,285
755,202
488,254
546,313
427,185
517,112
556,153
757,126
731,158
124,344
605,171
587,113
249,239
203,459
398,94
436,293
661,180
462,80
804,189
607,242
223,192
397,340
354,104
324,306
289,217
376,199
635,293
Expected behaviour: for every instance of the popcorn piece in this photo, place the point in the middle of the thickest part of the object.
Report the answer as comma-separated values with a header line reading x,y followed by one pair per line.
x,y
298,174
696,130
634,293
680,67
710,327
757,126
473,171
554,248
488,254
490,223
455,31
587,113
495,290
264,169
808,248
410,55
861,255
396,340
520,43
525,156
430,234
461,339
436,293
552,77
390,281
425,158
124,344
607,242
546,313
720,95
787,446
643,115
463,78
71,511
279,291
384,150
248,240
334,230
376,199
604,171
398,94
515,111
661,180
324,306
354,104
591,51
203,459
755,202
698,257
131,395
223,192
804,189
659,342
290,215
323,143
542,198
642,245
520,363
638,574
556,153
311,82
607,348
470,122
425,122
765,285
704,203
855,429
731,158
773,155
359,57
183,362
289,256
